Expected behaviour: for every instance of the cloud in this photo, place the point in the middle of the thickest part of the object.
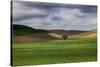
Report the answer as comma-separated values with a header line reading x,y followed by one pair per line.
x,y
54,16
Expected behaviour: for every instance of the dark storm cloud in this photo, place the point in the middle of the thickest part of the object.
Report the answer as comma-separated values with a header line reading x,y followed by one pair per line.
x,y
89,9
56,18
28,17
54,15
84,8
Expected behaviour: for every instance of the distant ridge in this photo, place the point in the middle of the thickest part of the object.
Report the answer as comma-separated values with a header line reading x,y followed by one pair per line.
x,y
68,32
24,34
24,30
90,34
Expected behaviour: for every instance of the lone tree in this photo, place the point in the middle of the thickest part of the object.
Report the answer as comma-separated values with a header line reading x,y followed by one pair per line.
x,y
65,37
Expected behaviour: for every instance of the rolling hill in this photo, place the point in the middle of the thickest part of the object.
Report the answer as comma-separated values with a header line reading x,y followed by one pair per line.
x,y
90,34
23,34
25,30
68,32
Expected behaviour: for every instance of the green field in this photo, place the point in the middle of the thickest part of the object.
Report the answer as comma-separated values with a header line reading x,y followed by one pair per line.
x,y
57,51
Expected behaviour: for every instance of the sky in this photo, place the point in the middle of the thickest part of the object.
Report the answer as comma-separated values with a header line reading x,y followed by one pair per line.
x,y
51,16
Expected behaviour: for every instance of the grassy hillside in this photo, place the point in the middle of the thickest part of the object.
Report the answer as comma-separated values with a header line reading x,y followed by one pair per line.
x,y
35,46
21,30
90,34
25,34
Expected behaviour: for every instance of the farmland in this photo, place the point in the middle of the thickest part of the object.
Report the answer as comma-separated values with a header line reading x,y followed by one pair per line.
x,y
55,51
36,46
